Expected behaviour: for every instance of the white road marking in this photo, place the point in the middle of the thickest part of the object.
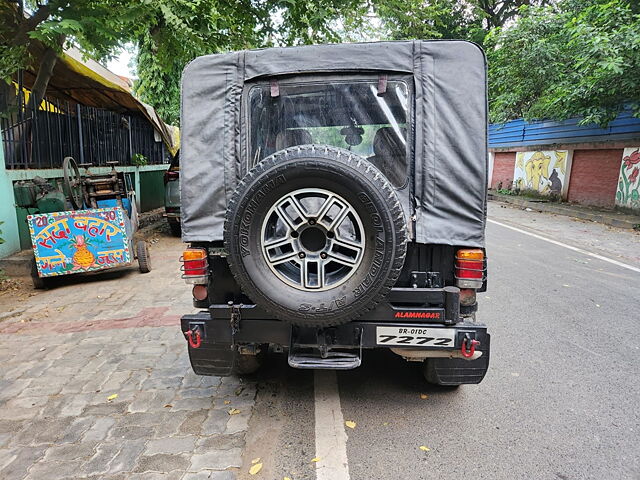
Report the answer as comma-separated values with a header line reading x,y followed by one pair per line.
x,y
331,439
570,247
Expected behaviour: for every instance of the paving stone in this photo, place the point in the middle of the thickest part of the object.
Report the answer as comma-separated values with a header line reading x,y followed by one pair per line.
x,y
4,439
161,383
131,432
99,429
127,457
53,470
136,378
12,388
196,403
6,457
151,401
175,475
171,445
171,424
74,432
218,460
210,475
216,422
69,452
106,408
162,463
99,463
72,406
27,402
193,423
18,413
207,392
219,442
11,426
44,431
142,419
77,384
238,423
25,457
115,381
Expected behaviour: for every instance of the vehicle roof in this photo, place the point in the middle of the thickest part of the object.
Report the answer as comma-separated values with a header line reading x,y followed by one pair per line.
x,y
448,188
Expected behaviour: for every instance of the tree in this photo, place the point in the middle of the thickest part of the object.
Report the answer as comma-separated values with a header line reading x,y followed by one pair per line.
x,y
575,58
447,19
97,27
177,31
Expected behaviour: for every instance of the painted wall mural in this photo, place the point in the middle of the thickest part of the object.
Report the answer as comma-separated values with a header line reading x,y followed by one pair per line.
x,y
628,193
542,171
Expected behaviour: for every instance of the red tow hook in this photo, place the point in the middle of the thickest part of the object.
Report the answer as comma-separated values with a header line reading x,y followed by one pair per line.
x,y
194,338
472,348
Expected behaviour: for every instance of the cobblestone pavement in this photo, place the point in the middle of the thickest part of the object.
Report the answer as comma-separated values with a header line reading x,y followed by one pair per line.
x,y
66,352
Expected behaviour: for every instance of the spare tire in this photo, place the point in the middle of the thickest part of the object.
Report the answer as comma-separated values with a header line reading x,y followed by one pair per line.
x,y
315,235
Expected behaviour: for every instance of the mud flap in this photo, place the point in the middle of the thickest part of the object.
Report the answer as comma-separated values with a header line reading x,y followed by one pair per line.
x,y
458,371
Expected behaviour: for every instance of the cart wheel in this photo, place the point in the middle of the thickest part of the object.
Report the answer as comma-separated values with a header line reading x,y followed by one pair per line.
x,y
39,283
144,259
73,182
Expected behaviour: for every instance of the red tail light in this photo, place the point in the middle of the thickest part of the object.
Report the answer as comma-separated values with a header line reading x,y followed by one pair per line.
x,y
195,267
170,176
470,268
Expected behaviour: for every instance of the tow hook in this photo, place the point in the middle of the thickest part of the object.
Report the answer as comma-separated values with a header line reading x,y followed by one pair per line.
x,y
194,337
472,346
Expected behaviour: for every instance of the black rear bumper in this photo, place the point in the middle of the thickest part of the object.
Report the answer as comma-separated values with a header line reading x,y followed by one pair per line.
x,y
458,349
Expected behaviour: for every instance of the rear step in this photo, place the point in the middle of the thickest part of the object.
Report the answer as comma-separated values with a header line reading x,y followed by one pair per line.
x,y
321,356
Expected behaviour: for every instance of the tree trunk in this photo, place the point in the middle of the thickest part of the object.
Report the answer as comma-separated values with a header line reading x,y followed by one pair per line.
x,y
39,88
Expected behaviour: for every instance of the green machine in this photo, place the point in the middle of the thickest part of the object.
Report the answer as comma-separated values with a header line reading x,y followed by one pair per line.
x,y
39,194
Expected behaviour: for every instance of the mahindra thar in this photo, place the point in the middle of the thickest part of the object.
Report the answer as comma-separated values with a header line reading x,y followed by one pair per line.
x,y
333,199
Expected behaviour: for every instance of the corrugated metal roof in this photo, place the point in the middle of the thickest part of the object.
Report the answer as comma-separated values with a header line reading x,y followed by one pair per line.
x,y
518,133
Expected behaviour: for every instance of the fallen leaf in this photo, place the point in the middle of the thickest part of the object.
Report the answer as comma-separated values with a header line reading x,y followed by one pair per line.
x,y
350,424
425,449
315,459
255,468
286,478
112,397
424,396
255,460
239,390
233,411
227,402
168,405
385,424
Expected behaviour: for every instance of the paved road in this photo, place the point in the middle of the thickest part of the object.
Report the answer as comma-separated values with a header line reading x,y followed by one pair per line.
x,y
560,400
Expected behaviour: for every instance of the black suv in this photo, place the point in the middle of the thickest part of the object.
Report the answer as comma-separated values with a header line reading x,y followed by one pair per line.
x,y
334,199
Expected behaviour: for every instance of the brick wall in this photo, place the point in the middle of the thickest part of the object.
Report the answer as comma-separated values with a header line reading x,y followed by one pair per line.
x,y
503,166
594,176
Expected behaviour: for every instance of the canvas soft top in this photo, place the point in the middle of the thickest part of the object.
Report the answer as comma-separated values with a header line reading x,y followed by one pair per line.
x,y
447,189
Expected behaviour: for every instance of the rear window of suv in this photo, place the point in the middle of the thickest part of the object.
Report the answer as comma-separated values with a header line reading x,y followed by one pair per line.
x,y
357,115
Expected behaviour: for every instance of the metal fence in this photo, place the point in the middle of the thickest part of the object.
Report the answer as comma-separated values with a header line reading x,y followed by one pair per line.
x,y
92,135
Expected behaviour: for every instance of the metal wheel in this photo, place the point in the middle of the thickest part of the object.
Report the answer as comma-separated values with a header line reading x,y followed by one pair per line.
x,y
312,239
73,182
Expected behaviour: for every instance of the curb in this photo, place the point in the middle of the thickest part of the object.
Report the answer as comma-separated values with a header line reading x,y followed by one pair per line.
x,y
599,217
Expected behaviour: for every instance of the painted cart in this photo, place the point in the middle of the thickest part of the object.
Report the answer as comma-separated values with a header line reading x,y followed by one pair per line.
x,y
97,235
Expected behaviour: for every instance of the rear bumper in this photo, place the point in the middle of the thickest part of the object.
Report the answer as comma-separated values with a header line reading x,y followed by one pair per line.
x,y
438,312
354,334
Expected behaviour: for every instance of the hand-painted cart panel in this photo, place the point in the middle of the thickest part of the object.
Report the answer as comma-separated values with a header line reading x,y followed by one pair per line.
x,y
80,241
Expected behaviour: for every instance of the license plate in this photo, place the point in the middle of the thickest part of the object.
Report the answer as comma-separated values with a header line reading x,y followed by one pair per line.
x,y
416,337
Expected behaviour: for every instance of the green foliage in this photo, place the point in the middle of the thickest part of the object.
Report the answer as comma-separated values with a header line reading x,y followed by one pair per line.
x,y
139,160
576,58
1,239
177,31
439,19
